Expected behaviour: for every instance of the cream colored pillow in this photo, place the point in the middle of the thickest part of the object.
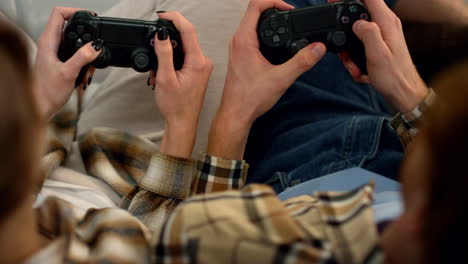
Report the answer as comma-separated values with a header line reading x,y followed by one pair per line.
x,y
123,100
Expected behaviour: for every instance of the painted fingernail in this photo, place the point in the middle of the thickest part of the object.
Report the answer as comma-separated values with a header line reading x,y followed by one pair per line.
x,y
162,33
85,86
153,87
98,44
93,13
161,11
148,82
90,80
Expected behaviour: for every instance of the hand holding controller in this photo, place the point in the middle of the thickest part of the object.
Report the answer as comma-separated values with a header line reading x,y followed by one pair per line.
x,y
283,33
126,43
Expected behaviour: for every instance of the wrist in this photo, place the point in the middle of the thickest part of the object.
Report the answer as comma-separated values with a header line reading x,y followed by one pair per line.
x,y
410,95
228,135
179,139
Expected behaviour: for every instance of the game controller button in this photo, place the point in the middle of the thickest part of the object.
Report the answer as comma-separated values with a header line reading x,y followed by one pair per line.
x,y
338,39
364,16
174,43
353,8
269,33
345,20
87,37
297,45
282,30
276,38
141,61
80,29
79,43
72,35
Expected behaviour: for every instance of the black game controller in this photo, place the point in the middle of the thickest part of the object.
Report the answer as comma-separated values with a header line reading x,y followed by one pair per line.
x,y
127,43
283,33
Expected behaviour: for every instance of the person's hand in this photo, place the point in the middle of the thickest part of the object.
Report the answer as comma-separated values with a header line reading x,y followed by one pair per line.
x,y
391,70
253,85
180,94
56,80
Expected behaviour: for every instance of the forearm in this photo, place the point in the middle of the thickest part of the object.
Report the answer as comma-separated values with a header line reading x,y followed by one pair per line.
x,y
433,11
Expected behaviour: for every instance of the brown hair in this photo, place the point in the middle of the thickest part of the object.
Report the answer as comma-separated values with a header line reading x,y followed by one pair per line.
x,y
19,121
446,136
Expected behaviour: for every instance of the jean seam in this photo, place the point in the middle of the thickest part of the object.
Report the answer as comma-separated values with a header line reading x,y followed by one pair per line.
x,y
375,144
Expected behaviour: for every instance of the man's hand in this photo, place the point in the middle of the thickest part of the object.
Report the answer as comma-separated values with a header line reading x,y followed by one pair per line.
x,y
391,70
180,95
55,79
253,85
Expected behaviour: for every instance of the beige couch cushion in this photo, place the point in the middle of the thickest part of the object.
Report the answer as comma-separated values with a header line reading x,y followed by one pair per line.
x,y
123,100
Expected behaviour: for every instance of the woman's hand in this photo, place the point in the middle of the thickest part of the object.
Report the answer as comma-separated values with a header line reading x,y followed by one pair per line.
x,y
391,70
56,80
180,94
253,85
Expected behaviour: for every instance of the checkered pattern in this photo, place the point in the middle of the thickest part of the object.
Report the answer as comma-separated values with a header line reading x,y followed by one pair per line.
x,y
185,211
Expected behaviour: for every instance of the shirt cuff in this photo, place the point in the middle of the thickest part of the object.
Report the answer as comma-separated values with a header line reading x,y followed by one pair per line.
x,y
169,176
217,174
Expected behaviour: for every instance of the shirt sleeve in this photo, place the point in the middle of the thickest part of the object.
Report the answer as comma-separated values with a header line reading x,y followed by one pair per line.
x,y
169,180
215,174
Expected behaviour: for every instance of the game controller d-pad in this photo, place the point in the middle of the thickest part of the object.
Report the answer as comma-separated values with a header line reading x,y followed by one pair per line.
x,y
284,33
127,43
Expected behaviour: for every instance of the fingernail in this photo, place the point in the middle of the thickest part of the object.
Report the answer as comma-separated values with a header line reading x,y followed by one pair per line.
x,y
93,13
357,25
319,50
98,44
161,11
162,33
85,86
148,82
90,80
153,87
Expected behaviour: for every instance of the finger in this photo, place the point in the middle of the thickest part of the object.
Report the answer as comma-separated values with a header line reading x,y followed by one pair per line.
x,y
378,10
252,15
152,78
163,49
84,56
54,29
88,79
192,49
303,61
349,64
369,33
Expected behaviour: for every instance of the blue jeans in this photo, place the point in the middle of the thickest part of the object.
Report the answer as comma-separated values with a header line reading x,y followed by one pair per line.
x,y
324,123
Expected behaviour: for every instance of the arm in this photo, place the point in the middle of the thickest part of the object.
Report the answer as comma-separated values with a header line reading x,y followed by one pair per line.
x,y
253,85
180,94
433,11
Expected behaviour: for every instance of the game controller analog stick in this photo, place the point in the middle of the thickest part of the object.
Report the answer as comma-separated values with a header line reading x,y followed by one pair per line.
x,y
284,33
128,43
297,45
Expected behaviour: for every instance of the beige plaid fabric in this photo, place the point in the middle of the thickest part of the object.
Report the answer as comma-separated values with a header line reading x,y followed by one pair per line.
x,y
186,211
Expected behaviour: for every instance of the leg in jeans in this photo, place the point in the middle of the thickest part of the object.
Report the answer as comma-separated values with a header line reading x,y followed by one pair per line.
x,y
324,123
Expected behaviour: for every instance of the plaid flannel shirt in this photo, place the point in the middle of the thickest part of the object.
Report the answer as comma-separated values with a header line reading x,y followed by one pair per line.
x,y
184,211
